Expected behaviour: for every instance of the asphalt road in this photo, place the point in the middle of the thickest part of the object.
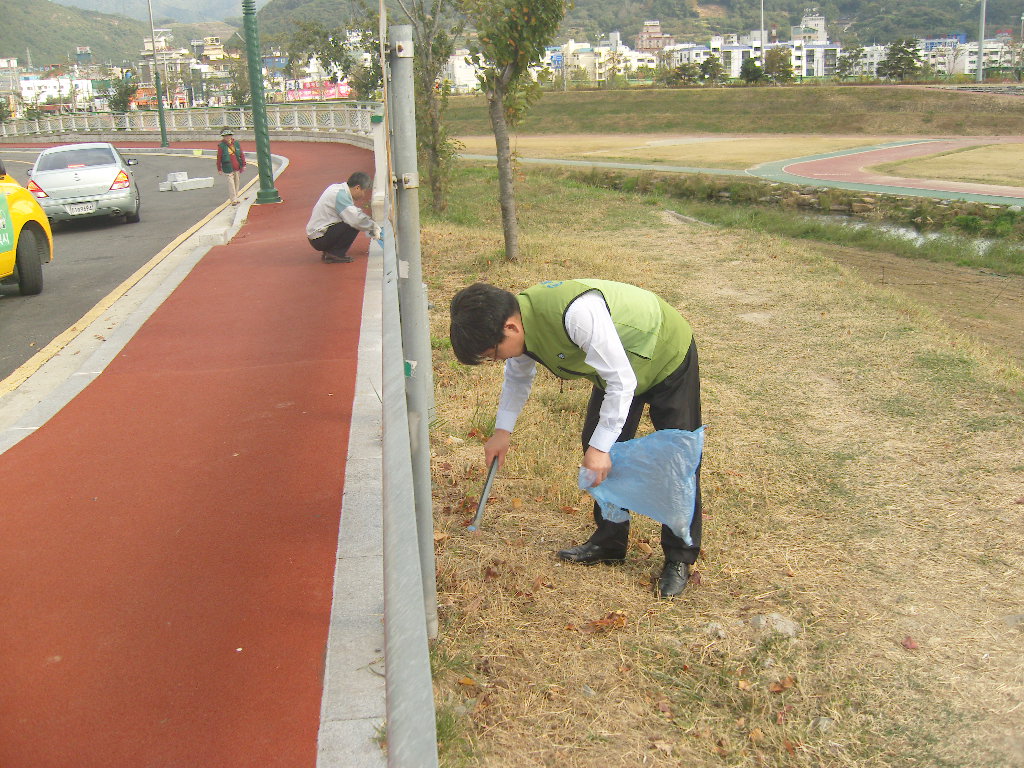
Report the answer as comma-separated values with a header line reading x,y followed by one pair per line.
x,y
92,257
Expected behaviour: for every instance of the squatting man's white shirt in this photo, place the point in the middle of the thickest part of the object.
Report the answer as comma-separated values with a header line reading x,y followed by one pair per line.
x,y
335,204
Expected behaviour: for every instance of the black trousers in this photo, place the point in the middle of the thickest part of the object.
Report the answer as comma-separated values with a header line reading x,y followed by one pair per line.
x,y
336,240
674,404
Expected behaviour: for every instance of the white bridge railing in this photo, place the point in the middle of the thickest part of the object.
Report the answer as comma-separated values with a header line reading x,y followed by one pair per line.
x,y
329,117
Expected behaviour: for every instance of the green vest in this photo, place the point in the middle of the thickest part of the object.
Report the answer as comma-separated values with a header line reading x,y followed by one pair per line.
x,y
655,336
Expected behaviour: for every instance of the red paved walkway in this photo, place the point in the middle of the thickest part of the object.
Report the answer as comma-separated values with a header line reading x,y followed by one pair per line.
x,y
167,541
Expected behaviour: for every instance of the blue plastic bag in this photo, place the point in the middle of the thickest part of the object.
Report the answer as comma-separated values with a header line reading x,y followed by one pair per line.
x,y
654,475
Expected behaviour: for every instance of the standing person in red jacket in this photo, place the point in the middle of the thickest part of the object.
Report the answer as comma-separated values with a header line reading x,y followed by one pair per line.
x,y
231,162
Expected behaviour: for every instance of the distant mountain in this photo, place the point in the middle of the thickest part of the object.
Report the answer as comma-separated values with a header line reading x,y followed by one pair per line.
x,y
849,21
49,33
185,11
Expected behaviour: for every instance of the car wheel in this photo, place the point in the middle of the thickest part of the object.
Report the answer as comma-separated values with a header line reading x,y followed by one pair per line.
x,y
134,218
29,265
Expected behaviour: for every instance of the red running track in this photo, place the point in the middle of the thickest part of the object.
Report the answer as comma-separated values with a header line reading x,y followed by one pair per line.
x,y
855,167
168,540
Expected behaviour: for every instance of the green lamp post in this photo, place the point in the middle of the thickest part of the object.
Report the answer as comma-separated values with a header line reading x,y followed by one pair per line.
x,y
267,193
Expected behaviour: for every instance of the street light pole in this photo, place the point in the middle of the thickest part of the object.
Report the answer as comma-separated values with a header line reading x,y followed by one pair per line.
x,y
267,193
762,33
981,45
156,79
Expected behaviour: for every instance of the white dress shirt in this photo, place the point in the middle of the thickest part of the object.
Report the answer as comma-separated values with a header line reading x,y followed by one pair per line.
x,y
589,325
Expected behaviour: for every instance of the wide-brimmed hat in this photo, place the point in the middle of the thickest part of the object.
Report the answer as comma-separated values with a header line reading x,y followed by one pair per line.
x,y
227,132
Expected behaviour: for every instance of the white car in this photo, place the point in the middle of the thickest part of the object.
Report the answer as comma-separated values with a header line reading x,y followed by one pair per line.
x,y
76,181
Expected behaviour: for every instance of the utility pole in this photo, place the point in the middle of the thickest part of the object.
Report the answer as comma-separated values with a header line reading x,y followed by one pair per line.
x,y
268,193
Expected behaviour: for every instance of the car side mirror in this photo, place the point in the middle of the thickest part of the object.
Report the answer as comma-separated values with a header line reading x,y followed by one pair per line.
x,y
28,172
132,161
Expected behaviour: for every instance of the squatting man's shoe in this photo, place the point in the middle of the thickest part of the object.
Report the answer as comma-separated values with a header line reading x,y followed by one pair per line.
x,y
673,578
589,554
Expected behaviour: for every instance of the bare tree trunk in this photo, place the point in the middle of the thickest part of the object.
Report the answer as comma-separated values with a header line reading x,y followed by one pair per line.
x,y
435,171
506,187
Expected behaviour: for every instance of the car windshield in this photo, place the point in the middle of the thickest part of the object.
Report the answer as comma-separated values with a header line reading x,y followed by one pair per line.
x,y
76,158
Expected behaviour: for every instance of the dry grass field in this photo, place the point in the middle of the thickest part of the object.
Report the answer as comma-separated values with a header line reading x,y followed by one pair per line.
x,y
735,152
864,479
991,164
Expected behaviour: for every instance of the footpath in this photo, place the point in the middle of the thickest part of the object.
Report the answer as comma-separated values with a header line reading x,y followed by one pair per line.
x,y
169,539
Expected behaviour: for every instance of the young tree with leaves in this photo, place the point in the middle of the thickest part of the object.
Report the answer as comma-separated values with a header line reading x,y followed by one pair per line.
x,y
328,44
434,29
238,79
849,62
711,70
778,65
750,71
511,37
122,92
902,60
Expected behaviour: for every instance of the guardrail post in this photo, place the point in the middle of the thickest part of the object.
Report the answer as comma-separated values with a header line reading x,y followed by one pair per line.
x,y
412,296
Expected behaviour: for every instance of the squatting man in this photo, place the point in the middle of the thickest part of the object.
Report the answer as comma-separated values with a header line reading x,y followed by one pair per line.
x,y
629,343
338,217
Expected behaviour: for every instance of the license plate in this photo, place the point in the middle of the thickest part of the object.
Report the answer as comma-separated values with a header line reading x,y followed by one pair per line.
x,y
80,208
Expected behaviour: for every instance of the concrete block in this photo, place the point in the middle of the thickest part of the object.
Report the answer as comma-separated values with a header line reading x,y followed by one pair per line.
x,y
177,176
181,186
164,186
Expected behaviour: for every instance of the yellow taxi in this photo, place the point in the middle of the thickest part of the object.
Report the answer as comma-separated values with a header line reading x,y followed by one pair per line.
x,y
26,242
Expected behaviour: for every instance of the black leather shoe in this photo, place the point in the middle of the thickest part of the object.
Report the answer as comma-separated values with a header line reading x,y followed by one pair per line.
x,y
673,578
588,554
329,259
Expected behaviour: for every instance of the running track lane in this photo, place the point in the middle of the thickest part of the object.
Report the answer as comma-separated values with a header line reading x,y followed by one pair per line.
x,y
853,167
168,540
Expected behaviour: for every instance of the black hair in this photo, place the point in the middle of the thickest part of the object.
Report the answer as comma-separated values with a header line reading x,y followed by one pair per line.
x,y
359,179
478,315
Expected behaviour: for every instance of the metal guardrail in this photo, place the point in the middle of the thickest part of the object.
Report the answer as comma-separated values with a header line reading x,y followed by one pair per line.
x,y
412,739
329,117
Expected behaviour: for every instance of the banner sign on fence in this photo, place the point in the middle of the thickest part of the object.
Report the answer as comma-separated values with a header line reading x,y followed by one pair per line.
x,y
314,92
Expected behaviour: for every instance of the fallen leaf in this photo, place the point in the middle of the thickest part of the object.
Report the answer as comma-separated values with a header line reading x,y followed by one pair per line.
x,y
475,433
490,573
614,620
744,685
569,510
625,669
909,643
756,736
473,607
517,503
1020,500
541,582
695,578
467,681
780,716
644,547
440,536
664,707
782,685
664,746
789,746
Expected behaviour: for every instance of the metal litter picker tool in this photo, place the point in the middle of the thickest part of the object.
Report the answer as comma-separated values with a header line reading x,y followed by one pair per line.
x,y
483,495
